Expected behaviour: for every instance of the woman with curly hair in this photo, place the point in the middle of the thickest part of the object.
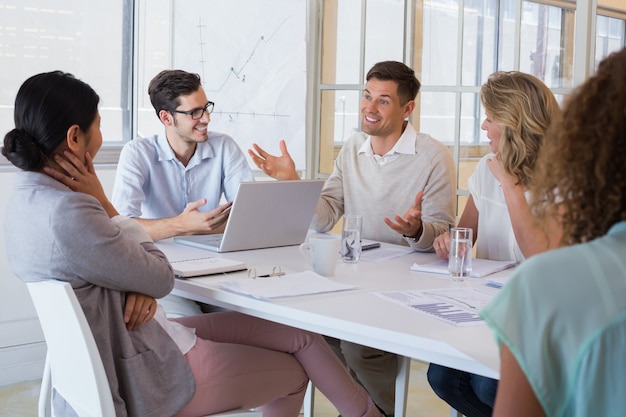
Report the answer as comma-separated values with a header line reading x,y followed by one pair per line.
x,y
519,109
561,320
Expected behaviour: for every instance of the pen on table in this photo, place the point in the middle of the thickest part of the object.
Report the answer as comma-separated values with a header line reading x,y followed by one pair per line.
x,y
369,246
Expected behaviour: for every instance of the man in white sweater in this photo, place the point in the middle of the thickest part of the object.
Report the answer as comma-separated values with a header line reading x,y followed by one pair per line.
x,y
380,172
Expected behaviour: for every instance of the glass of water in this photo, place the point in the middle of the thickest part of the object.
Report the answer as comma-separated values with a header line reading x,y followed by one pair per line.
x,y
460,257
351,238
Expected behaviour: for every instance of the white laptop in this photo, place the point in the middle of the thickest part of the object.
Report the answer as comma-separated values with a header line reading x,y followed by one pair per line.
x,y
265,214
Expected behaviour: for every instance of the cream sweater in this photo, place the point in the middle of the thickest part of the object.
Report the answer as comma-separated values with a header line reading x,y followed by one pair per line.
x,y
358,185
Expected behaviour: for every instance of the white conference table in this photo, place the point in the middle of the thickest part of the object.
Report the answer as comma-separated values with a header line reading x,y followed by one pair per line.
x,y
358,315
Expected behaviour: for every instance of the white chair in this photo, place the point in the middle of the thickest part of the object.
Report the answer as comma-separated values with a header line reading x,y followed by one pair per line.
x,y
73,364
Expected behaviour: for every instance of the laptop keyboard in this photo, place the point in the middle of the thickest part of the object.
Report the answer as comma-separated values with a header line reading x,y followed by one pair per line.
x,y
213,239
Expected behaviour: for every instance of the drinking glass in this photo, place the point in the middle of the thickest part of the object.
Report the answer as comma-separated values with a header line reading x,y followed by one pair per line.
x,y
460,258
351,238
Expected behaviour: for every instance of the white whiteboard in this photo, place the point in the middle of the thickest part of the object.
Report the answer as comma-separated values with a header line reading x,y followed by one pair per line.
x,y
251,57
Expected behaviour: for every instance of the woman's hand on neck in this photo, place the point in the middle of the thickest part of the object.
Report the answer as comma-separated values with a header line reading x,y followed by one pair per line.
x,y
79,175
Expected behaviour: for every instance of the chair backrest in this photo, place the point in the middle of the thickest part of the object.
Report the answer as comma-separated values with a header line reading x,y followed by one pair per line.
x,y
73,360
73,364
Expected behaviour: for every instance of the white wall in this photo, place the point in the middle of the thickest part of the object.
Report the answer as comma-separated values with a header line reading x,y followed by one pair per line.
x,y
22,349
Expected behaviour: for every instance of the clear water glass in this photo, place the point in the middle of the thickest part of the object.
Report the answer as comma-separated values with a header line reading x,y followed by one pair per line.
x,y
351,238
460,257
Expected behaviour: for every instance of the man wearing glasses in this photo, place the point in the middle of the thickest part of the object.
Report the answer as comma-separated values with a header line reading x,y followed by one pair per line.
x,y
173,183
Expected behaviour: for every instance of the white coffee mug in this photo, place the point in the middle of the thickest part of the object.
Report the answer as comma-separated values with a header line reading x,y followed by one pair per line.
x,y
322,252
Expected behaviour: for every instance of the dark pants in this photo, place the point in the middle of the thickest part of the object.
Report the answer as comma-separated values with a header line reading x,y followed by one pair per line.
x,y
472,395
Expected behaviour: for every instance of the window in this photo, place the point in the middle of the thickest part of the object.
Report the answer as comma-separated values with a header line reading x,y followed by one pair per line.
x,y
117,46
450,103
547,43
610,36
252,65
355,35
485,36
44,35
453,45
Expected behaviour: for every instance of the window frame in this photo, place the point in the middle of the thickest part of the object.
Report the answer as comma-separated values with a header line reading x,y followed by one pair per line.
x,y
109,153
583,67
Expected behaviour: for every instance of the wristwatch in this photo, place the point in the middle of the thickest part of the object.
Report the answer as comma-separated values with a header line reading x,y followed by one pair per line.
x,y
417,236
409,239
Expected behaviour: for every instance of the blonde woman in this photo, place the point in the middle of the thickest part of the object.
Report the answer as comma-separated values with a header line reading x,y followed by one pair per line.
x,y
519,109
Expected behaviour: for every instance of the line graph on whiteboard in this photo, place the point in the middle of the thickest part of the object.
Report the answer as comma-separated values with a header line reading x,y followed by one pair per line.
x,y
252,62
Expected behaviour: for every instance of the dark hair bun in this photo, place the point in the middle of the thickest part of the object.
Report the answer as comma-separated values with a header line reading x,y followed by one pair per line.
x,y
22,151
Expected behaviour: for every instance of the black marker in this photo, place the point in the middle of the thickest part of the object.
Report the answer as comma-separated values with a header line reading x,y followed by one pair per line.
x,y
370,246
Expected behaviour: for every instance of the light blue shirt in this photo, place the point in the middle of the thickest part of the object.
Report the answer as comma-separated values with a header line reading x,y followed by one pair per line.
x,y
563,316
152,184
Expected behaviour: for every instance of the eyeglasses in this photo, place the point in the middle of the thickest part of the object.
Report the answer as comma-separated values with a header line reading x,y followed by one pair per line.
x,y
276,272
197,113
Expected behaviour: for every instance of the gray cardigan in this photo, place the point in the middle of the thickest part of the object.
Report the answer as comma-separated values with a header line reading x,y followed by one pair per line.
x,y
52,232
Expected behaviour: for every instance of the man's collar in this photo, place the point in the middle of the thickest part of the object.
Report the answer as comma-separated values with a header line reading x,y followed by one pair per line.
x,y
404,145
167,153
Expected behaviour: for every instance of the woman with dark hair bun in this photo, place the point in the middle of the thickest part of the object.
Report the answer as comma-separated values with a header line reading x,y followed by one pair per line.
x,y
61,225
45,107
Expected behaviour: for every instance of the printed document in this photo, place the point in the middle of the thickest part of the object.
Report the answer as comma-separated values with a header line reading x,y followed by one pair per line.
x,y
290,285
457,306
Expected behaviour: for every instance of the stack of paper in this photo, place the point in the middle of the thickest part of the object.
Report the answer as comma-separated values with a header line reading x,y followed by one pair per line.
x,y
480,267
289,285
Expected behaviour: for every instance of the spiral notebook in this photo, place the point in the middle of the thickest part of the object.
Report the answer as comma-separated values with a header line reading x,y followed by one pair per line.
x,y
480,267
188,268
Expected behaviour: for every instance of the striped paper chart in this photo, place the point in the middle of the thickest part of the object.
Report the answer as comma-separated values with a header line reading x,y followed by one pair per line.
x,y
457,306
